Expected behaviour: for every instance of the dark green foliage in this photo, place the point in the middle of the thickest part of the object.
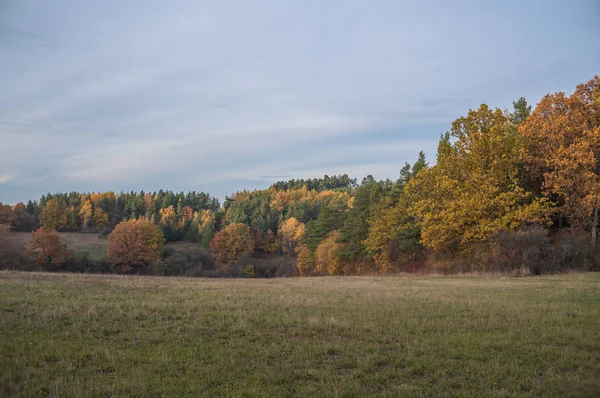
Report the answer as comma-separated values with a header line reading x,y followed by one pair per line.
x,y
253,209
356,227
188,261
318,184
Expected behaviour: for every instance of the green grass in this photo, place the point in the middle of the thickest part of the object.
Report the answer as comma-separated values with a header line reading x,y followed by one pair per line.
x,y
81,335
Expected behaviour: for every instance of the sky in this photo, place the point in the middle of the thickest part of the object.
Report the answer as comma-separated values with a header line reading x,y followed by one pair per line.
x,y
220,96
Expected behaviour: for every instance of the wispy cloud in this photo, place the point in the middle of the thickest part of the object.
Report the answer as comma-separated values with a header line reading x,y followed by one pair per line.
x,y
112,95
5,178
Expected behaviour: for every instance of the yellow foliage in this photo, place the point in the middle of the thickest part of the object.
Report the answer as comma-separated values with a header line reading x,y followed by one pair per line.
x,y
327,257
305,263
290,233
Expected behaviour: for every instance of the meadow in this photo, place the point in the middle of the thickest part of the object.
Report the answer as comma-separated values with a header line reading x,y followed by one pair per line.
x,y
113,335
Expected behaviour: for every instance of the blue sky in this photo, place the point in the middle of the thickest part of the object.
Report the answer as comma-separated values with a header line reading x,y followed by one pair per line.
x,y
219,96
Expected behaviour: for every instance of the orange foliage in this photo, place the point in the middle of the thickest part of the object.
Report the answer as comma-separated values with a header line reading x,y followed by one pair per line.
x,y
49,249
135,243
563,149
232,244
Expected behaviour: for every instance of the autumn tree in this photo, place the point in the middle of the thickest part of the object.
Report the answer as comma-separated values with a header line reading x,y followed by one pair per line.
x,y
327,259
290,233
86,213
562,149
232,244
48,248
305,262
100,218
135,244
206,227
473,191
394,237
53,216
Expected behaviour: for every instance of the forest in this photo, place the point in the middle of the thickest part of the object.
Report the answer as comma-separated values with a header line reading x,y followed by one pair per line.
x,y
510,191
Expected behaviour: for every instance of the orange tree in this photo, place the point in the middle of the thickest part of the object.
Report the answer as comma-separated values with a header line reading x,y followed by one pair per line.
x,y
562,149
232,244
135,244
48,248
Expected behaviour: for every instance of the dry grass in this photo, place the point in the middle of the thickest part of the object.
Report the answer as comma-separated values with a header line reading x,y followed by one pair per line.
x,y
75,241
81,335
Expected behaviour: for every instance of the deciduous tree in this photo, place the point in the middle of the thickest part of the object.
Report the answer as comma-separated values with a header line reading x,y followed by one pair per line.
x,y
232,244
48,248
562,148
134,244
290,233
327,258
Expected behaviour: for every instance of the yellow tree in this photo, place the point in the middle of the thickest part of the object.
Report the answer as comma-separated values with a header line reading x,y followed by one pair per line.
x,y
290,233
305,263
562,150
167,217
86,212
100,218
327,258
53,216
473,191
393,236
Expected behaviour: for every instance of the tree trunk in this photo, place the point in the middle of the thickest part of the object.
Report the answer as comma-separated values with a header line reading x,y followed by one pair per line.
x,y
595,223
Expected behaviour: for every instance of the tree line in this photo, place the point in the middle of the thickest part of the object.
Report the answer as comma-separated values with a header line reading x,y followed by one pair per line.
x,y
509,190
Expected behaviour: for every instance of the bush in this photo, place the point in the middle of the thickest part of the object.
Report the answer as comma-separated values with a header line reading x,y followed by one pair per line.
x,y
80,262
525,250
573,251
181,262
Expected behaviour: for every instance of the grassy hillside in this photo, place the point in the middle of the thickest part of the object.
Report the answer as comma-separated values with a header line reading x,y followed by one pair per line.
x,y
81,335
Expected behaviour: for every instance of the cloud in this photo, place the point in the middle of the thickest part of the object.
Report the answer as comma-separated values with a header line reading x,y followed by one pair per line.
x,y
194,96
5,178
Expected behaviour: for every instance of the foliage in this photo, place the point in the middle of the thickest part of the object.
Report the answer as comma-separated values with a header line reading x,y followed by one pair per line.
x,y
48,248
563,151
135,244
473,191
232,244
305,263
53,216
290,233
327,259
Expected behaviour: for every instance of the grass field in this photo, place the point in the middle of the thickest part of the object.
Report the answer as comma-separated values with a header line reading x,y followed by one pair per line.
x,y
81,335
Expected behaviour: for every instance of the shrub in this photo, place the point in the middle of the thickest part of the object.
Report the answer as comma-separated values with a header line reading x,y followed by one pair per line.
x,y
183,261
573,251
81,262
520,250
